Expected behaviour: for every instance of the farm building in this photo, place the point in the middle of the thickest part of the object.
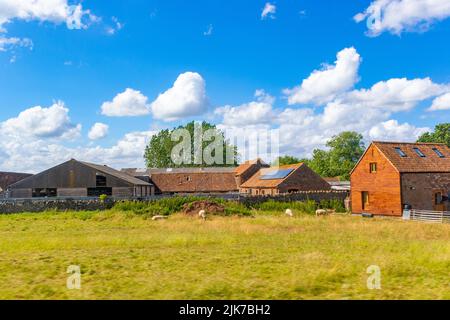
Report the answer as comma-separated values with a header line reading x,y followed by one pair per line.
x,y
9,178
248,169
188,180
80,179
285,179
390,176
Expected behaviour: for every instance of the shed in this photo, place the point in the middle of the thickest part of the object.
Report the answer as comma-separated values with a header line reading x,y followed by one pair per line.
x,y
80,179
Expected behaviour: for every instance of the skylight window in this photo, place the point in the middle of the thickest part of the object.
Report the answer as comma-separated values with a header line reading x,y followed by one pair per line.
x,y
400,152
439,153
419,153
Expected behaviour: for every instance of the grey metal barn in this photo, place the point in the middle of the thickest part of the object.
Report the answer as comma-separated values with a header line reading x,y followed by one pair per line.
x,y
80,179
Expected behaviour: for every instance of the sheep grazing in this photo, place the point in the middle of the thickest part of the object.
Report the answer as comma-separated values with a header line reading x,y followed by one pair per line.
x,y
323,212
289,213
202,214
157,218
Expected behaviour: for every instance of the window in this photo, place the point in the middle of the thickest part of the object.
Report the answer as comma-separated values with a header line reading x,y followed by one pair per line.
x,y
45,193
365,200
438,198
100,180
400,152
419,153
373,167
439,153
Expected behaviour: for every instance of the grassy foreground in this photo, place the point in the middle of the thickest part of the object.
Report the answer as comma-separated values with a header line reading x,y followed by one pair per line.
x,y
124,256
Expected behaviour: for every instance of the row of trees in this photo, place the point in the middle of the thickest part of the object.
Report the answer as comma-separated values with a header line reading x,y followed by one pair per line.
x,y
342,154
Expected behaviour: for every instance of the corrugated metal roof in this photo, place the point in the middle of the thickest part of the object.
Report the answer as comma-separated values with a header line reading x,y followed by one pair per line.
x,y
115,173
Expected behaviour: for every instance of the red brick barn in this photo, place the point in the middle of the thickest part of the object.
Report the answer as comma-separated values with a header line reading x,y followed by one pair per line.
x,y
390,176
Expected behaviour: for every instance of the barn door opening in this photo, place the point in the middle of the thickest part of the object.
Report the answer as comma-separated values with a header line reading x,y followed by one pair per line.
x,y
439,201
365,200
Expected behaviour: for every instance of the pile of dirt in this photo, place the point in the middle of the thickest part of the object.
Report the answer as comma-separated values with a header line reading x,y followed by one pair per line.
x,y
210,207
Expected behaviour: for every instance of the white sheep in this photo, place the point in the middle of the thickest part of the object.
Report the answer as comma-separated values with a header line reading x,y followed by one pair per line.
x,y
202,214
156,218
323,212
289,213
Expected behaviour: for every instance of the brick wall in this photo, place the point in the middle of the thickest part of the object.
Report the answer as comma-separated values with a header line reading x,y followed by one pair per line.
x,y
383,186
418,189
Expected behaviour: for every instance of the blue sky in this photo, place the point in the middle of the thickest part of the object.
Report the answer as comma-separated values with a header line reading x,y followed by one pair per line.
x,y
230,50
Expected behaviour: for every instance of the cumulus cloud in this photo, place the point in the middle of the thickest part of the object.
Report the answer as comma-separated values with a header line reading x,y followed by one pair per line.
x,y
441,103
39,122
398,16
269,11
255,112
392,130
35,155
324,85
98,131
130,103
396,94
187,97
368,111
54,11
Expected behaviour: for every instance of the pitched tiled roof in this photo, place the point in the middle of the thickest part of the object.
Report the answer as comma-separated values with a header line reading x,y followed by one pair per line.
x,y
257,182
195,182
247,165
413,162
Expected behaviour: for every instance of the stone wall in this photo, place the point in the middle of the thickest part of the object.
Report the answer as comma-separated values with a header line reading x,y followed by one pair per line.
x,y
39,205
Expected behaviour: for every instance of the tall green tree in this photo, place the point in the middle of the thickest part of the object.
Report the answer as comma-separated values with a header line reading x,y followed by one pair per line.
x,y
158,153
441,134
287,160
344,152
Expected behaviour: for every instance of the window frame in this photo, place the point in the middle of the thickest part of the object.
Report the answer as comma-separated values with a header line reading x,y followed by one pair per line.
x,y
373,167
419,152
439,153
400,152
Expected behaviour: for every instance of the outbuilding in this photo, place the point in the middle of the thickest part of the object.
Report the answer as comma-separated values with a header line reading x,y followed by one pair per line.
x,y
391,176
80,179
284,179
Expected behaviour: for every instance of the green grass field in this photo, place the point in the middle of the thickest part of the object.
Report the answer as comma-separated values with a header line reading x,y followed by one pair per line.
x,y
125,256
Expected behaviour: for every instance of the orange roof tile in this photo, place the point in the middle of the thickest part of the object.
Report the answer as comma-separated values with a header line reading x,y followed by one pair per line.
x,y
413,162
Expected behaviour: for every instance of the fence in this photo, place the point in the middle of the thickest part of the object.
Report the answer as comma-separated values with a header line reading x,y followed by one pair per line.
x,y
430,216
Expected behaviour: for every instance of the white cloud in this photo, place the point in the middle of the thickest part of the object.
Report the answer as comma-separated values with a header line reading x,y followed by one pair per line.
x,y
98,131
55,11
441,103
269,11
186,98
9,43
325,84
209,31
398,16
367,111
35,155
38,122
255,112
130,103
391,130
396,94
112,30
